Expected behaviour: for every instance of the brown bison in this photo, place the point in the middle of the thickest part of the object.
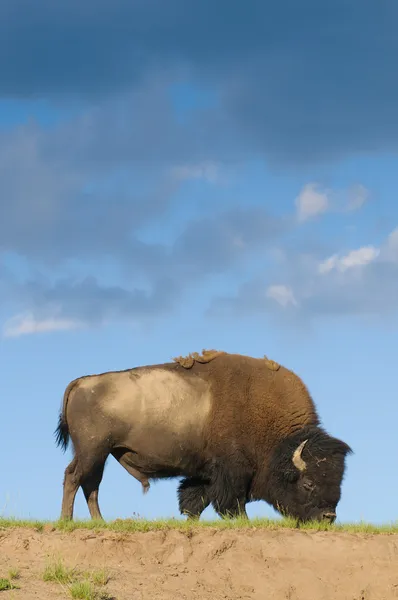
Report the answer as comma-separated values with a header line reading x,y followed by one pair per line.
x,y
235,428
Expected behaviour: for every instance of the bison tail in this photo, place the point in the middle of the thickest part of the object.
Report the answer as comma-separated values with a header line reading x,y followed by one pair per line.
x,y
62,433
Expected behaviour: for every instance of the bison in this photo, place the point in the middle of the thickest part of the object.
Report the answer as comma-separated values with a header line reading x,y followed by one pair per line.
x,y
235,428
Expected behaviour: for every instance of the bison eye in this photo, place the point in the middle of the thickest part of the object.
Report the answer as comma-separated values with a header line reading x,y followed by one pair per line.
x,y
308,485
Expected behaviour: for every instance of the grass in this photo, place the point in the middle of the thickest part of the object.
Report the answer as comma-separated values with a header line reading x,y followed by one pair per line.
x,y
13,573
142,526
59,573
80,584
7,584
85,590
99,577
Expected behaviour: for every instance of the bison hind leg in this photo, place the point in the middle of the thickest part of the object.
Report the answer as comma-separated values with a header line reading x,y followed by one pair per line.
x,y
90,484
85,470
71,485
193,497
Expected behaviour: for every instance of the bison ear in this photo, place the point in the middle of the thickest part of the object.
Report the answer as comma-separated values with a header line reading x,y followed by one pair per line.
x,y
343,447
298,462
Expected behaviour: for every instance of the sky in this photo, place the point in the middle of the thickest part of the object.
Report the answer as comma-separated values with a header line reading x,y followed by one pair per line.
x,y
178,176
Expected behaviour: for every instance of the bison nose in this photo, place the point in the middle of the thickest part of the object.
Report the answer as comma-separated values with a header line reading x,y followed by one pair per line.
x,y
329,516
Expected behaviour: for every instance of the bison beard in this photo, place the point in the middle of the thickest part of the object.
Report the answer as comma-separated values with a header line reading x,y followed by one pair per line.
x,y
305,489
235,428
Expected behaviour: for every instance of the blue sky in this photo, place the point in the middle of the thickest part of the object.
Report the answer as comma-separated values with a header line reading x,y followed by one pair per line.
x,y
177,177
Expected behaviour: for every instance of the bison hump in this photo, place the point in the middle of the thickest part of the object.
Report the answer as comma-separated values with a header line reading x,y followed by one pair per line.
x,y
207,356
271,364
187,362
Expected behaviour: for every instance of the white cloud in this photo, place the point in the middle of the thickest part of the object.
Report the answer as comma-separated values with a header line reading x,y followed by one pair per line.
x,y
393,238
356,258
208,171
311,202
357,196
359,283
282,294
390,249
27,324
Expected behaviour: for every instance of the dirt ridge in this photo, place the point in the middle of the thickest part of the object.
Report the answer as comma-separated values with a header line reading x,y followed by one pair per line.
x,y
210,564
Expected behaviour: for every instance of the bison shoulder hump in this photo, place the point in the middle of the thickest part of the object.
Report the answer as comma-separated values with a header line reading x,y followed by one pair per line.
x,y
188,361
271,364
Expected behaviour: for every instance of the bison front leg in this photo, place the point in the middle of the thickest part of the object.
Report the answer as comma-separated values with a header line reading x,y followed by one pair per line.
x,y
193,497
228,489
234,509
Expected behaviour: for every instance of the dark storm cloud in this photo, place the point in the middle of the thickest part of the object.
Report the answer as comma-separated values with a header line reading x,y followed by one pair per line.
x,y
91,302
299,81
215,244
294,82
206,247
62,214
54,207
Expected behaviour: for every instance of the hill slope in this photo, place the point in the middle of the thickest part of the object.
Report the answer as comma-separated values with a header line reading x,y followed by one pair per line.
x,y
202,563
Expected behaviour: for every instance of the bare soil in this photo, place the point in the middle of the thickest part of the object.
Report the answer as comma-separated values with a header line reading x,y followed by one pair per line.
x,y
209,564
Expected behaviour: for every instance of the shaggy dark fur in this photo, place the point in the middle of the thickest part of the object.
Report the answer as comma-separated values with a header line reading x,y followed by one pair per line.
x,y
62,431
303,495
260,412
314,492
224,485
193,496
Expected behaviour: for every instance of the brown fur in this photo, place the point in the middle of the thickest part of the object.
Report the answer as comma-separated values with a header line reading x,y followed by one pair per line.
x,y
272,364
253,399
188,361
208,355
214,417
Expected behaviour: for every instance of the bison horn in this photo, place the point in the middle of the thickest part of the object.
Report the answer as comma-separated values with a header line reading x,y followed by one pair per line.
x,y
297,460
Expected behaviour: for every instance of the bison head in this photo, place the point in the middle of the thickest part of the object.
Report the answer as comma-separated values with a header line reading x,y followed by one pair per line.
x,y
305,475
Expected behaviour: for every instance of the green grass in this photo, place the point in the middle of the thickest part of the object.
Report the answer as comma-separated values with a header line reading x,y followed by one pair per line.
x,y
80,584
7,584
14,573
142,526
28,524
85,590
99,577
57,572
